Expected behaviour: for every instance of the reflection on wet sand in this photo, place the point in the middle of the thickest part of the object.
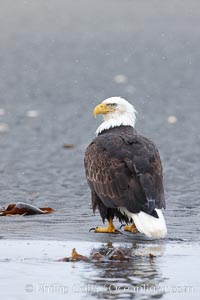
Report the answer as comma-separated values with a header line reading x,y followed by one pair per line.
x,y
117,279
143,276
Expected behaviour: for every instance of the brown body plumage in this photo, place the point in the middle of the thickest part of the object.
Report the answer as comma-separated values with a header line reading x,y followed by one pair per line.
x,y
123,169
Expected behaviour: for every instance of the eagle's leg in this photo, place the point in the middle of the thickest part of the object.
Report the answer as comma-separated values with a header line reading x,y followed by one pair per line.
x,y
110,228
131,228
106,213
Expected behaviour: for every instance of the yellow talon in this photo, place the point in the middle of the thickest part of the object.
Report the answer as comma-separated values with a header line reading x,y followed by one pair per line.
x,y
110,228
131,228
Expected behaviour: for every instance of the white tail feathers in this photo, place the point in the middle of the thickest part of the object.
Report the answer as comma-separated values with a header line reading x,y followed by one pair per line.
x,y
147,224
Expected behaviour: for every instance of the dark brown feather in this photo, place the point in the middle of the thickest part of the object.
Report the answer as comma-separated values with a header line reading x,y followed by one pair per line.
x,y
123,169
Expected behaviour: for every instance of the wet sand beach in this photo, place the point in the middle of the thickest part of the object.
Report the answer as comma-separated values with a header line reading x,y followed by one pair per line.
x,y
58,60
32,269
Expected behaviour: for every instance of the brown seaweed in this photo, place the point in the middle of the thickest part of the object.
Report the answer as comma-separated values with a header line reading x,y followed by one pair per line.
x,y
68,146
21,208
75,257
104,254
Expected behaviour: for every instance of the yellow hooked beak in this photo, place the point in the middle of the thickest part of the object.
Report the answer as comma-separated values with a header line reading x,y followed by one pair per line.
x,y
101,109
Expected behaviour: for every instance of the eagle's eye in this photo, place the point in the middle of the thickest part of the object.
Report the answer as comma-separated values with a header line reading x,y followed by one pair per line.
x,y
113,104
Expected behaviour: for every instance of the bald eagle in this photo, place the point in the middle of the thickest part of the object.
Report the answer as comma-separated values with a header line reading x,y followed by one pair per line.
x,y
124,172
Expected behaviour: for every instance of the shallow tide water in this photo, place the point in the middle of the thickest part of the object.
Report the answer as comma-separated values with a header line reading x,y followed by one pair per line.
x,y
32,268
58,60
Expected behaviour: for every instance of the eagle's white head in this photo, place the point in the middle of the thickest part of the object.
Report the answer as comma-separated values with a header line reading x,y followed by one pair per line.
x,y
116,112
